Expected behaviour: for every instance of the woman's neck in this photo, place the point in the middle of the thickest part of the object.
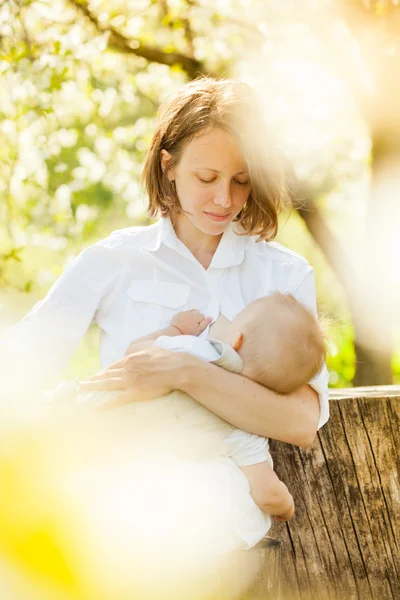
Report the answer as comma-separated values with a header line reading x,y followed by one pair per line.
x,y
201,245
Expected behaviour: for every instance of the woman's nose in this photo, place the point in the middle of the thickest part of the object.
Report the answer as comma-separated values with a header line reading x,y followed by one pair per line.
x,y
223,197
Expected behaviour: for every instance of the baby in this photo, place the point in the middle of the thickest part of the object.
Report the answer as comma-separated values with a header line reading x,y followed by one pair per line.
x,y
274,341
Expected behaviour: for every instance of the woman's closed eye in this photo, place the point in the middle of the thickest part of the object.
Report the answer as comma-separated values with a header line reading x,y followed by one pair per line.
x,y
212,180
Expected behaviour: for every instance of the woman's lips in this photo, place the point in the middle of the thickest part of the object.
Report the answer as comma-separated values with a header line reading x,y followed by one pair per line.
x,y
216,216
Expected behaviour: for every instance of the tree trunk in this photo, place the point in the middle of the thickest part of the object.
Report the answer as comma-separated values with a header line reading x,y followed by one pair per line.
x,y
372,366
343,542
252,574
367,296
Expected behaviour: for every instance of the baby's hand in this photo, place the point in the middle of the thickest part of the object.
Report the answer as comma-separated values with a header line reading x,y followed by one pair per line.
x,y
190,322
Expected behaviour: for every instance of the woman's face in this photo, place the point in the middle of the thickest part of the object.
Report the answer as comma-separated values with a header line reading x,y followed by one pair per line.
x,y
212,181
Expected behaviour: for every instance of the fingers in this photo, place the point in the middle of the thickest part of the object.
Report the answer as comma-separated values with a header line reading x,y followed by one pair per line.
x,y
197,314
204,324
109,373
120,400
129,349
191,322
106,383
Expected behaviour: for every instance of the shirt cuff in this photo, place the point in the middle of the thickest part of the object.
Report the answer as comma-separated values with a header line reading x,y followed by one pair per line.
x,y
320,384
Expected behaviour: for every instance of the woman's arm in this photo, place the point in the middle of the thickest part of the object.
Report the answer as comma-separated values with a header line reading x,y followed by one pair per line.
x,y
240,401
37,348
291,418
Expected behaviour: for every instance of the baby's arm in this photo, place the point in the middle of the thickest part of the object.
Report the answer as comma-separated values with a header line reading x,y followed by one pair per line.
x,y
268,492
188,322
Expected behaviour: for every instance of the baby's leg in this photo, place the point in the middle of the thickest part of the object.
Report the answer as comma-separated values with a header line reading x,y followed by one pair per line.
x,y
268,492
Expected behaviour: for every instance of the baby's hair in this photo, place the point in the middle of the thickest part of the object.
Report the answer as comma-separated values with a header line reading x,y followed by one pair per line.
x,y
283,345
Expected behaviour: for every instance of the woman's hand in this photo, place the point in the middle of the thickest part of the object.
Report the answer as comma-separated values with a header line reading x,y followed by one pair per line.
x,y
140,376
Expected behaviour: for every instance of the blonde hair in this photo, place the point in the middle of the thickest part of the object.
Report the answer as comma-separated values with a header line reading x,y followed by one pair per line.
x,y
283,345
232,106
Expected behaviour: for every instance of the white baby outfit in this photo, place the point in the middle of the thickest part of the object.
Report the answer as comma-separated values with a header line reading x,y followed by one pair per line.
x,y
178,425
245,448
248,521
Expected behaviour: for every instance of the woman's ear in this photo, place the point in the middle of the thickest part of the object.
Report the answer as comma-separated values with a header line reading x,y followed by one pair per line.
x,y
165,157
237,341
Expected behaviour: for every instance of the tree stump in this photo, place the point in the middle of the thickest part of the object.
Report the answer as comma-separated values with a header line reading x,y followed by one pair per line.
x,y
343,542
253,574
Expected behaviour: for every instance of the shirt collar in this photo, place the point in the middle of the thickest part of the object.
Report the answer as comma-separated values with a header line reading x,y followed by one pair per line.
x,y
230,249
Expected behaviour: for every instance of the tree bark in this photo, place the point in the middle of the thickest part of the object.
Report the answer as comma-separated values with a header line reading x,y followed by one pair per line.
x,y
373,366
252,574
343,542
373,347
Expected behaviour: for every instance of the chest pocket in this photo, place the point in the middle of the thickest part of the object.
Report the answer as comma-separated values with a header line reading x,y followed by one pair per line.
x,y
152,304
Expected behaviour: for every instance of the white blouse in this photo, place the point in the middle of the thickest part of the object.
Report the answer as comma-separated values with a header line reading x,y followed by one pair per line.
x,y
135,280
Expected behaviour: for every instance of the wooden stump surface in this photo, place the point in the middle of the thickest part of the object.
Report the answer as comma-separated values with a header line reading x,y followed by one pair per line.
x,y
252,574
344,540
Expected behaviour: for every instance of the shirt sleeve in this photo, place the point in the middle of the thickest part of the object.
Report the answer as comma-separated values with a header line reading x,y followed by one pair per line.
x,y
305,293
199,347
37,349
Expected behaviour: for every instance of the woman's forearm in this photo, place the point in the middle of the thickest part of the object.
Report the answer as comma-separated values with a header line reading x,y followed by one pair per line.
x,y
250,406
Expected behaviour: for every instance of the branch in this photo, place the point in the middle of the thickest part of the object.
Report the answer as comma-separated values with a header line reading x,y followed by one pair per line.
x,y
119,42
188,30
25,35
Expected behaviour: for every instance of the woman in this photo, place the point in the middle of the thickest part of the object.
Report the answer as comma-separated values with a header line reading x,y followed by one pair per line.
x,y
211,174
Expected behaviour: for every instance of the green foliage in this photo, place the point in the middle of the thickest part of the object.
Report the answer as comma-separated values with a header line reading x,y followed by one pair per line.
x,y
341,356
396,362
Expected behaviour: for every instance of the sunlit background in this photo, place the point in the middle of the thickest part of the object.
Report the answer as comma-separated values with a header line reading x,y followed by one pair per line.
x,y
80,83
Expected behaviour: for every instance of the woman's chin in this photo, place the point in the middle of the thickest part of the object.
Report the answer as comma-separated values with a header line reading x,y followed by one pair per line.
x,y
210,226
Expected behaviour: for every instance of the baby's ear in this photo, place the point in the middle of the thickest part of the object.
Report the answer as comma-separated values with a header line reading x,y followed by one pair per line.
x,y
237,341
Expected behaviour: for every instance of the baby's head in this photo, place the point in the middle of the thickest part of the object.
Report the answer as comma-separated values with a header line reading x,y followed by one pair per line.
x,y
280,342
